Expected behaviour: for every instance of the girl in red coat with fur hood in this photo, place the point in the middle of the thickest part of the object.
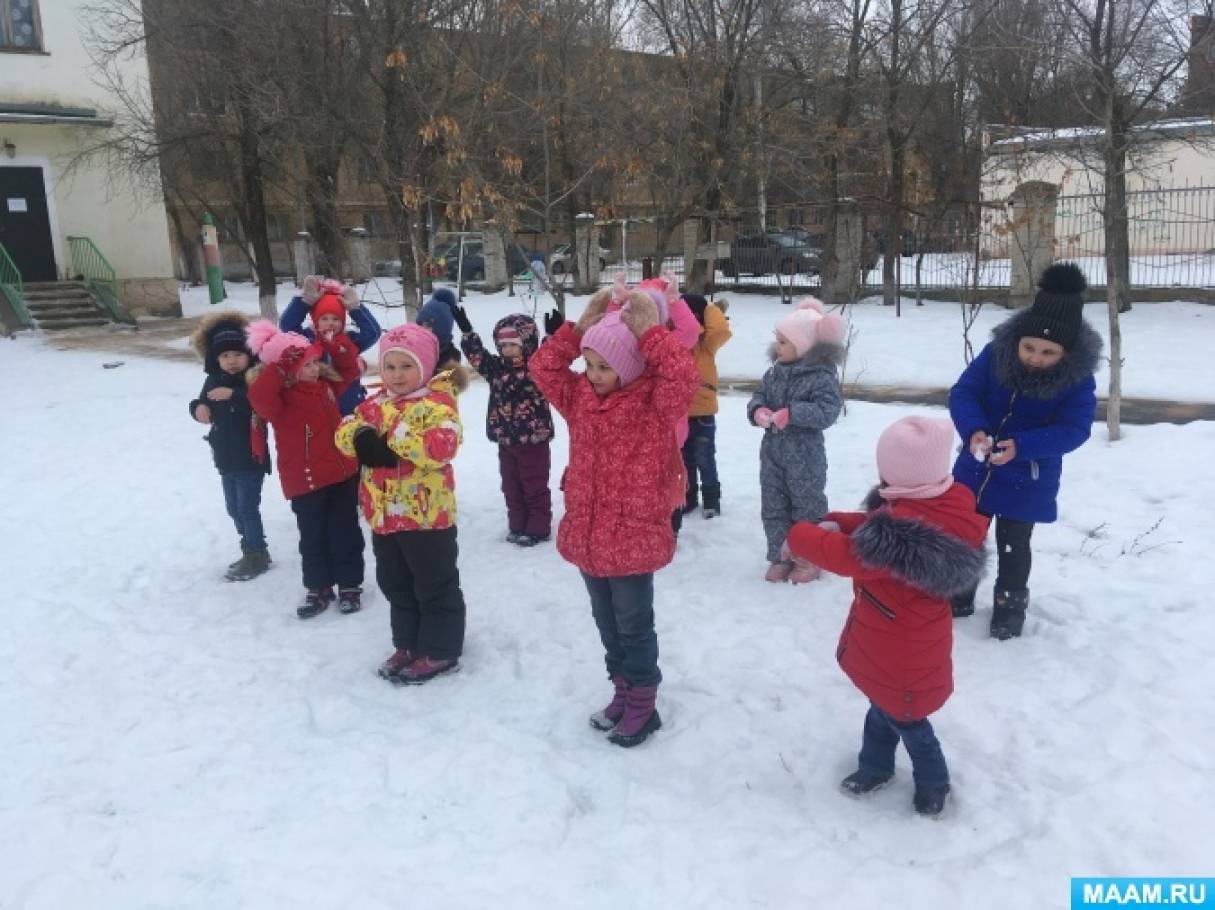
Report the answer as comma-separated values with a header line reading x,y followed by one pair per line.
x,y
297,395
919,544
625,476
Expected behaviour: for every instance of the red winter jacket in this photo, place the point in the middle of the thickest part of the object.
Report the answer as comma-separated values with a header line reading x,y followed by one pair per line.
x,y
304,416
625,472
906,558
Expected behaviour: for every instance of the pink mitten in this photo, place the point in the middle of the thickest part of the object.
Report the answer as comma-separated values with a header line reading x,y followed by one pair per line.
x,y
780,419
762,418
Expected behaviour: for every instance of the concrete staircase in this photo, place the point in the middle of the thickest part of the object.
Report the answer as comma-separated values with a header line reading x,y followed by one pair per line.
x,y
57,305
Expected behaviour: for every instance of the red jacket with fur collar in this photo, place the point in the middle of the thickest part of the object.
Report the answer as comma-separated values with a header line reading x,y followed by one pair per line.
x,y
906,559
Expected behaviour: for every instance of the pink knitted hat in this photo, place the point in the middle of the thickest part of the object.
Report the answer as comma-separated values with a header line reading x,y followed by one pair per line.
x,y
808,325
418,342
287,350
615,342
913,458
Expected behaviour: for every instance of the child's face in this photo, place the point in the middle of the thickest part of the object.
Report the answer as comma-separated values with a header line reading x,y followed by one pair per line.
x,y
1038,353
511,350
785,351
309,372
401,374
233,362
330,324
604,380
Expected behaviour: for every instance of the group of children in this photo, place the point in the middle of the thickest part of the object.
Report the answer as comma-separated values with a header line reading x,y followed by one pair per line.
x,y
641,454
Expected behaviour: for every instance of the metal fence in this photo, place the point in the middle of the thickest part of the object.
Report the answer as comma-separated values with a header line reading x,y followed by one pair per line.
x,y
1172,245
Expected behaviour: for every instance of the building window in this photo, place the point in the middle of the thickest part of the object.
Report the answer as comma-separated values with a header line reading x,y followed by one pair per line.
x,y
20,28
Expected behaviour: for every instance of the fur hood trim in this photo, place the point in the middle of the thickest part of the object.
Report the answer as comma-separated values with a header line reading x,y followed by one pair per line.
x,y
457,375
198,338
919,554
1077,364
823,354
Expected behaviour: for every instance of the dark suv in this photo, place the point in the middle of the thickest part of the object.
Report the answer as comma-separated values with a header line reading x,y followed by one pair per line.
x,y
773,253
474,260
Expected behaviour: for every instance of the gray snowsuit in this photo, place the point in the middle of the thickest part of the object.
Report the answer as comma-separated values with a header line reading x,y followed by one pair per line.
x,y
793,461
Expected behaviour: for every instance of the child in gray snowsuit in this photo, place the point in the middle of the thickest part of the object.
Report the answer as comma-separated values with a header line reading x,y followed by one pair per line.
x,y
797,399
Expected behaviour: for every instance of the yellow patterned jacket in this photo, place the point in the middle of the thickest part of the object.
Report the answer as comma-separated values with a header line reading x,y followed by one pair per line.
x,y
424,431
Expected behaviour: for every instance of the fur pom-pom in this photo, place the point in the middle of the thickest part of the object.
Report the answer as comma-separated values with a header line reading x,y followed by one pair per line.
x,y
831,329
811,303
1063,278
259,333
273,347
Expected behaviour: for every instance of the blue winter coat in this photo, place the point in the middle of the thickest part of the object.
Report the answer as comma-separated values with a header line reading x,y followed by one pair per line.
x,y
367,332
1047,413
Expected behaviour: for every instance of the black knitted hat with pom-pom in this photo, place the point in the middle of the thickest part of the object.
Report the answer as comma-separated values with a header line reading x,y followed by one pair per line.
x,y
1058,308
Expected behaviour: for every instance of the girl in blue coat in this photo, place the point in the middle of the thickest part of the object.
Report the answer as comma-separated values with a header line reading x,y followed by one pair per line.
x,y
327,302
1027,400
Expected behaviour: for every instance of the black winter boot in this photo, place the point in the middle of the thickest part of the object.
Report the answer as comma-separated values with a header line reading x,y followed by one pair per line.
x,y
1008,614
315,602
860,783
350,600
930,801
963,604
677,521
712,496
690,501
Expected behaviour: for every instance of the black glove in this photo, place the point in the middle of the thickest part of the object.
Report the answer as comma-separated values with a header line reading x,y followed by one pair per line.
x,y
553,320
372,450
462,319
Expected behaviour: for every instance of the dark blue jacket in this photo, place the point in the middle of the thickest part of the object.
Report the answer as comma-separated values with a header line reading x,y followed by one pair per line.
x,y
1047,413
231,423
367,332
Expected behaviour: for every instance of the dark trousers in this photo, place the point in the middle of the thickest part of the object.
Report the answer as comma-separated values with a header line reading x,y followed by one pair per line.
x,y
700,451
881,739
331,541
624,612
529,504
417,572
1015,558
243,498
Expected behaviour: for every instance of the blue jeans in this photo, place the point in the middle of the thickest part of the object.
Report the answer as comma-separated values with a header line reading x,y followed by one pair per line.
x,y
700,451
243,497
881,738
624,612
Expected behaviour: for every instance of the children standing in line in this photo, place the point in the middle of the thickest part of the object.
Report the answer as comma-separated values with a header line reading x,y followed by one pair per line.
x,y
798,398
623,480
519,421
405,438
700,450
327,302
1027,400
296,393
919,543
223,404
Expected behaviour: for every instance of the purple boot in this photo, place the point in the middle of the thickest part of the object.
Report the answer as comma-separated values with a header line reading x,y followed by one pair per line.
x,y
640,717
610,716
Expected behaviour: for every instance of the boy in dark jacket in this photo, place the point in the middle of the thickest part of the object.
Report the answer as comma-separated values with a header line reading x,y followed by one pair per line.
x,y
223,404
919,543
1028,399
518,420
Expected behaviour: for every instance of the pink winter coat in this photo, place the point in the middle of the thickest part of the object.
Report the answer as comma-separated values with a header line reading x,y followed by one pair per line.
x,y
625,475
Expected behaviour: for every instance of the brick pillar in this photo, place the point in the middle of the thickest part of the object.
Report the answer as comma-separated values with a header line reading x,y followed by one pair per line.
x,y
849,242
586,254
494,249
1032,243
691,243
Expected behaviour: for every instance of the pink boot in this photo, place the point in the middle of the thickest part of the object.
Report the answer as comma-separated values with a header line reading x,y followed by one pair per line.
x,y
640,717
778,572
804,573
610,716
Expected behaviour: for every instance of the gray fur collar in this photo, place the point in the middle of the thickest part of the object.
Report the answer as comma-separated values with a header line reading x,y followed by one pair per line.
x,y
823,354
919,554
1077,364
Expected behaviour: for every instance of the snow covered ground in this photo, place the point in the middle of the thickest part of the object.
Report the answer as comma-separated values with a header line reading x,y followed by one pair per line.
x,y
172,740
1166,346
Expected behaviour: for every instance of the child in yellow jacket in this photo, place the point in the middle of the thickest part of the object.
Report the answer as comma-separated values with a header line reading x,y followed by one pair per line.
x,y
700,449
405,439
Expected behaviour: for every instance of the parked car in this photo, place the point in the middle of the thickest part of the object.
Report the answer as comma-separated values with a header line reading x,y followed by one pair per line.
x,y
772,252
560,259
518,259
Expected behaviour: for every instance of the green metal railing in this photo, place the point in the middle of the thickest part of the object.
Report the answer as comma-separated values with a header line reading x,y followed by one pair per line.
x,y
91,267
12,288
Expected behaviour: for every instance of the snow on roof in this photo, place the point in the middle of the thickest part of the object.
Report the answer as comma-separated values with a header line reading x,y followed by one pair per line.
x,y
1077,135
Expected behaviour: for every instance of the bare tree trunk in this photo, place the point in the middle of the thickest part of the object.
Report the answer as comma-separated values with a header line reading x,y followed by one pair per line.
x,y
321,190
1117,281
255,219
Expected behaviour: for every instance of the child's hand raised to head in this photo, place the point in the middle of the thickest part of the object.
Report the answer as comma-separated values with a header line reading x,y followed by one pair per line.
x,y
595,308
640,313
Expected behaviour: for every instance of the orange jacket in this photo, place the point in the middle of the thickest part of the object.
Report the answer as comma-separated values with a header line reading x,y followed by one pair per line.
x,y
714,335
